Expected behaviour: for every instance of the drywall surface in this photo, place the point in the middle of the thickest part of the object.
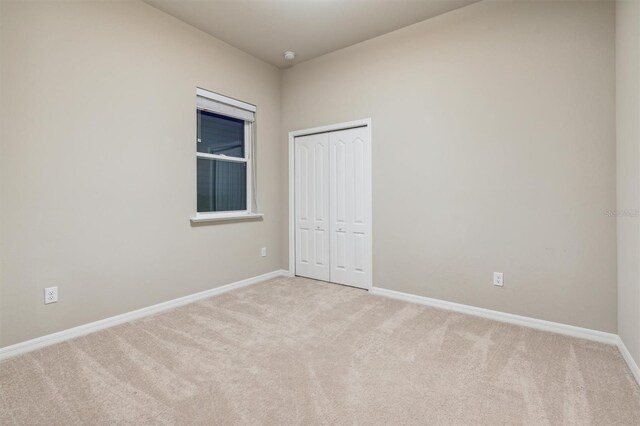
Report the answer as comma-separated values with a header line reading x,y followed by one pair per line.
x,y
493,150
97,164
628,171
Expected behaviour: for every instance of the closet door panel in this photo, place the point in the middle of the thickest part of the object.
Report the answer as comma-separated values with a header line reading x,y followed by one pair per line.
x,y
312,206
350,201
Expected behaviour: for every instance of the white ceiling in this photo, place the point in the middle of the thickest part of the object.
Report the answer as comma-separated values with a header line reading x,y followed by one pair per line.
x,y
266,28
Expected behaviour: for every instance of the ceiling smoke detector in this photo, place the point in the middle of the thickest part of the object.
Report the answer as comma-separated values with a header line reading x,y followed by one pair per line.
x,y
289,55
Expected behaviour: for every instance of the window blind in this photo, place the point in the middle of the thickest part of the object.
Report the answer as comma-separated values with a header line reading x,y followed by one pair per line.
x,y
222,105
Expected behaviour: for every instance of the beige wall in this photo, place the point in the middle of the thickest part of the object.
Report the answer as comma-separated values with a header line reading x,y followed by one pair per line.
x,y
493,150
628,171
97,164
493,132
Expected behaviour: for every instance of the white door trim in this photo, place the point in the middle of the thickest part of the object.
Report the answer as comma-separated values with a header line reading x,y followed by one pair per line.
x,y
365,122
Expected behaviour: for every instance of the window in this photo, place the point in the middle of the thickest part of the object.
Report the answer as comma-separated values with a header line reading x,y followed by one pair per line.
x,y
224,161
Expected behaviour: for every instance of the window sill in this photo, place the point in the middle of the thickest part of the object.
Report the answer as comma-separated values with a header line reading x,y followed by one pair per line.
x,y
201,218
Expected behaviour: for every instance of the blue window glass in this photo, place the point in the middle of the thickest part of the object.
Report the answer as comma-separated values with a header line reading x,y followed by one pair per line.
x,y
222,185
220,135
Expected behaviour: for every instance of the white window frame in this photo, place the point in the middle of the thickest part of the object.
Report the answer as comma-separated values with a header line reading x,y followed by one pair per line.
x,y
247,159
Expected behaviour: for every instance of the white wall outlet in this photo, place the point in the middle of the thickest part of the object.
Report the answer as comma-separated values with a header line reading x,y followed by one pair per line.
x,y
498,279
263,252
50,295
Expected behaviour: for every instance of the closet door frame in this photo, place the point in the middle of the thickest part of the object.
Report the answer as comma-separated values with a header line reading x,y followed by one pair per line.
x,y
366,122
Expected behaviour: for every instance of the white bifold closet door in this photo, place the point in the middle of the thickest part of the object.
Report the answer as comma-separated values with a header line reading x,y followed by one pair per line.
x,y
333,206
350,207
312,206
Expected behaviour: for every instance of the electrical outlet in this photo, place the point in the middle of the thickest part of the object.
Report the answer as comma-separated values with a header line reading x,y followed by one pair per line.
x,y
50,295
498,279
263,252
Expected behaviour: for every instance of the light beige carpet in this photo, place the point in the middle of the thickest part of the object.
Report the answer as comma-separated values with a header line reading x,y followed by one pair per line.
x,y
295,351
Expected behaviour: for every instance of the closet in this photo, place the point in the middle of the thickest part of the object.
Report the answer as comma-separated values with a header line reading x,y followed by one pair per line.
x,y
332,206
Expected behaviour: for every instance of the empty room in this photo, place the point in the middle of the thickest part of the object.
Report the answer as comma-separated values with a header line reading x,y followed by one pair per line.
x,y
320,212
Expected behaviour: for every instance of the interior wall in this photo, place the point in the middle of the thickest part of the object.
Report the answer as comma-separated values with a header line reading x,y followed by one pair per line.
x,y
628,171
493,131
493,150
97,163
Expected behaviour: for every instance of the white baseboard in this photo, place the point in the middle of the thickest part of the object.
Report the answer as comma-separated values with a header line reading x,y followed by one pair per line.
x,y
554,327
50,339
633,366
